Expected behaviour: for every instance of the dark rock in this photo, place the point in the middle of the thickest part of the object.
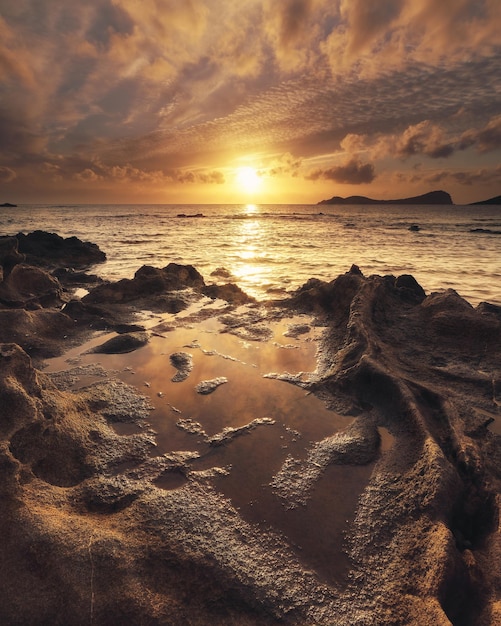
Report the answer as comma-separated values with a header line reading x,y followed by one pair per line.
x,y
183,362
150,288
42,333
414,228
485,231
51,250
122,344
73,279
229,292
26,286
9,254
409,288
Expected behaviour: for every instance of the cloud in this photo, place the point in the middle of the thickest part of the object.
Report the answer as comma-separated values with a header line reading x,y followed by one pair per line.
x,y
466,177
352,172
392,34
214,177
423,139
485,139
284,164
7,174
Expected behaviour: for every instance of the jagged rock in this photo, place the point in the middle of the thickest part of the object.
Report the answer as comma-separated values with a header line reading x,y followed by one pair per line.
x,y
51,250
151,288
229,292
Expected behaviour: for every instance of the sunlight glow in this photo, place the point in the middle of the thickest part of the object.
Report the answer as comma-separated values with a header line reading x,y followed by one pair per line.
x,y
248,179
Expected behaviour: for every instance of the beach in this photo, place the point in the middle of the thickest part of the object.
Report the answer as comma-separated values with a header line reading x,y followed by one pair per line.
x,y
176,450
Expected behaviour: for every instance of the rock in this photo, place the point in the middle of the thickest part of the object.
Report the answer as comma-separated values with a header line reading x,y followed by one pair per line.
x,y
121,344
9,254
205,387
229,292
183,362
51,250
229,433
42,333
151,288
30,287
409,288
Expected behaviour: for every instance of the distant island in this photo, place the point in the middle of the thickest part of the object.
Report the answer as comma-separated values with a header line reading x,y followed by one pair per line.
x,y
433,197
8,204
495,200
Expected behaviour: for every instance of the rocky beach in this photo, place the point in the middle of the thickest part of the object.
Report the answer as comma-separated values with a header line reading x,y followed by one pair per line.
x,y
99,527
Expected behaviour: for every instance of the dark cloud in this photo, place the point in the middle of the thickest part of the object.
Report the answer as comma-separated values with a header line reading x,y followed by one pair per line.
x,y
353,172
485,139
293,17
108,20
7,174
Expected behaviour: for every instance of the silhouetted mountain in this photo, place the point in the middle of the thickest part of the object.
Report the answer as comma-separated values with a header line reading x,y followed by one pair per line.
x,y
495,200
433,197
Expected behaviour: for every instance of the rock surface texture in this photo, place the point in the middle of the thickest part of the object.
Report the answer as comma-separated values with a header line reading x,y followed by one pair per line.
x,y
88,537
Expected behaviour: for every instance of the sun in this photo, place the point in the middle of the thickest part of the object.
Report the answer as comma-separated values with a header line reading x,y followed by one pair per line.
x,y
248,179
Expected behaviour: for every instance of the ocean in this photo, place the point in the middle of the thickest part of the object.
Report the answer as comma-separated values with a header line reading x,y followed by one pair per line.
x,y
271,249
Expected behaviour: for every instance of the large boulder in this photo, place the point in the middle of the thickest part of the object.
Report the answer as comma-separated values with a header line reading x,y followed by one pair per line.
x,y
51,250
30,287
151,288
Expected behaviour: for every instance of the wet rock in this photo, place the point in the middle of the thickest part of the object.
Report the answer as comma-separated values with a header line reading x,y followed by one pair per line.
x,y
50,250
296,330
73,279
121,344
42,333
229,433
30,287
151,288
205,387
183,362
221,272
229,292
191,426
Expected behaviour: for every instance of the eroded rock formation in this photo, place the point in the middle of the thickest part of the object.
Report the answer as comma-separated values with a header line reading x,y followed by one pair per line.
x,y
89,538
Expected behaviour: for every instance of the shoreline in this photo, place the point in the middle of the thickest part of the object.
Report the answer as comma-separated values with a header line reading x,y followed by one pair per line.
x,y
84,514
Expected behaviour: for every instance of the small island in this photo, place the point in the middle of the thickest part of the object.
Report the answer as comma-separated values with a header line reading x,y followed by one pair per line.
x,y
432,197
8,205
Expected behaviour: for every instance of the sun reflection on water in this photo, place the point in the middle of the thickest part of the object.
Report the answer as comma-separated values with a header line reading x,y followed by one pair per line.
x,y
251,268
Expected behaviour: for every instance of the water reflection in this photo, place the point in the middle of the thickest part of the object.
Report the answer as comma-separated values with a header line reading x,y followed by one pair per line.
x,y
251,266
253,458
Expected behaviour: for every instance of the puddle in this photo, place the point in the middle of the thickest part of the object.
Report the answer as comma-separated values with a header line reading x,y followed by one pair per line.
x,y
253,457
170,480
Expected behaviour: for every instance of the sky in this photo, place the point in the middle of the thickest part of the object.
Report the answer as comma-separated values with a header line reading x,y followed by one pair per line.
x,y
271,101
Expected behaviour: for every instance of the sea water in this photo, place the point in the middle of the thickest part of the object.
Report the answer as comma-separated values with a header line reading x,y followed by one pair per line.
x,y
268,249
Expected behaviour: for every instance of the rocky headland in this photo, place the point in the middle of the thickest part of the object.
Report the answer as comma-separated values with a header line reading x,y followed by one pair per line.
x,y
432,197
89,538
